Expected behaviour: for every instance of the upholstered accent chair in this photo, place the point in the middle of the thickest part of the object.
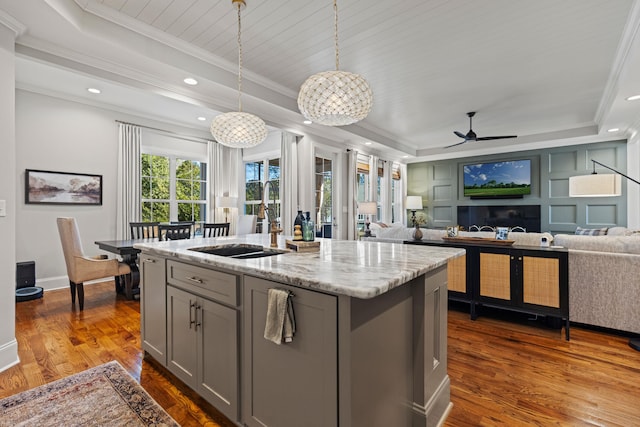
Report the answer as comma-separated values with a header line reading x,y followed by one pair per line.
x,y
246,224
81,268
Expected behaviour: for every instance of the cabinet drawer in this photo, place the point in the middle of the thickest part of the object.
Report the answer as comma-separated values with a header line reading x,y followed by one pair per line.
x,y
211,284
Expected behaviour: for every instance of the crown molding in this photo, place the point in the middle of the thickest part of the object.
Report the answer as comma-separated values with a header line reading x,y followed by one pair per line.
x,y
12,23
629,36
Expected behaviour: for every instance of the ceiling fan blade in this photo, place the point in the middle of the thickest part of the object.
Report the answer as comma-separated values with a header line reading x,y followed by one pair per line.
x,y
487,138
460,134
459,143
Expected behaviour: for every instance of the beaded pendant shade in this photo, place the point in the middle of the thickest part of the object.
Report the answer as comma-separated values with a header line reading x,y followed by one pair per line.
x,y
335,98
238,129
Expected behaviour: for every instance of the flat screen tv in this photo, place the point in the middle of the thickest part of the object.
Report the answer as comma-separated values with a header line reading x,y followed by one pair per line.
x,y
509,179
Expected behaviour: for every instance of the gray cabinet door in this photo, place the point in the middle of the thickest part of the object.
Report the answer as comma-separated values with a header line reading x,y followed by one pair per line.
x,y
293,384
153,297
182,338
218,356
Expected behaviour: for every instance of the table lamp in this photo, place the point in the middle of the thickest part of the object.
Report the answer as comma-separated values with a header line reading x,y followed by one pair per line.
x,y
413,203
226,202
367,209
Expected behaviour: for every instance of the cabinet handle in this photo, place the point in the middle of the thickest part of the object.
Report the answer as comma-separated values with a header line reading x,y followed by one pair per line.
x,y
191,321
149,260
198,307
195,279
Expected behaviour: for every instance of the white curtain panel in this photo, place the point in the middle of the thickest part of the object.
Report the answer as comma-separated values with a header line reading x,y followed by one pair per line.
x,y
401,194
225,165
288,182
373,179
235,185
385,193
129,191
306,177
352,194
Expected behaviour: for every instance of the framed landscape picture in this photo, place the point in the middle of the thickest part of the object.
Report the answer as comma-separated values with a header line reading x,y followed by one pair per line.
x,y
62,188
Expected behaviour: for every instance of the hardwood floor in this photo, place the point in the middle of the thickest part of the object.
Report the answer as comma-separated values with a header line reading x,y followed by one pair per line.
x,y
502,373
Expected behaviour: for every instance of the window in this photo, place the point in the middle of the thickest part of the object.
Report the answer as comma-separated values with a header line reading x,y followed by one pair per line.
x,y
255,180
173,189
324,182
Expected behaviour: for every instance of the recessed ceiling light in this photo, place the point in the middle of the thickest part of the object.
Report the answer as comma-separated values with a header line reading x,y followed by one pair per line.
x,y
405,156
190,81
633,98
613,130
368,143
307,122
93,90
202,119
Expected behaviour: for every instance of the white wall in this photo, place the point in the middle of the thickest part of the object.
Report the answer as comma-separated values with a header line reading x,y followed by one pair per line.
x,y
61,135
8,344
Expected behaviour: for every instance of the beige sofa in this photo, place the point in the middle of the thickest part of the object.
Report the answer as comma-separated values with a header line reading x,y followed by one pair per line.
x,y
604,280
604,271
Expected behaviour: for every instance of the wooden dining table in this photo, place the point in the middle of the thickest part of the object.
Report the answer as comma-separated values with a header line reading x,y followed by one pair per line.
x,y
129,255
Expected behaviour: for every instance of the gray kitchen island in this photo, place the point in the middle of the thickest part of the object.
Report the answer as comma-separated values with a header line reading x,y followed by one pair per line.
x,y
370,347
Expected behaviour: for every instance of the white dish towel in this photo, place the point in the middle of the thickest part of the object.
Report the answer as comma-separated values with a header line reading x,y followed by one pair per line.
x,y
280,324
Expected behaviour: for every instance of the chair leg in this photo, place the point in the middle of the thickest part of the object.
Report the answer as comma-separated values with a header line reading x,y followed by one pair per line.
x,y
128,286
72,286
80,288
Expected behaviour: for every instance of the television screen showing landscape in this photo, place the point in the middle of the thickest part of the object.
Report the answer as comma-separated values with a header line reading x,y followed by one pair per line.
x,y
498,179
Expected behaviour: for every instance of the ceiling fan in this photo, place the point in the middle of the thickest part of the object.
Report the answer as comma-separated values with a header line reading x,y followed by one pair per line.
x,y
471,135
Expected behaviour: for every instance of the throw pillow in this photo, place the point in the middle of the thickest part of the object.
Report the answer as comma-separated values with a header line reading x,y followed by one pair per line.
x,y
618,231
591,231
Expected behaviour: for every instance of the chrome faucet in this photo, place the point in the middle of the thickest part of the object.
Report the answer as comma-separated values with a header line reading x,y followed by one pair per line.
x,y
270,215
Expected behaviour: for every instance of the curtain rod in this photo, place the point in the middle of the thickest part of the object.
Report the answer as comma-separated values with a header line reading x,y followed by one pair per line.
x,y
175,134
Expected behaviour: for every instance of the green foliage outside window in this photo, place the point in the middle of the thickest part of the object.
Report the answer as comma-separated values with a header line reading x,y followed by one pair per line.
x,y
190,189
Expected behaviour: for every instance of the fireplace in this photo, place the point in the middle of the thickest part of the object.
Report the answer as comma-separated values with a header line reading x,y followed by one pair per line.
x,y
525,216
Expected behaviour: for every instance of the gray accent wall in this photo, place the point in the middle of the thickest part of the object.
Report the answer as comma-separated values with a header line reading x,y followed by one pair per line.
x,y
440,183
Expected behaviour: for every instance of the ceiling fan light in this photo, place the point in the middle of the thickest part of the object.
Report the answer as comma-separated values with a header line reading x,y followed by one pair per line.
x,y
238,130
335,98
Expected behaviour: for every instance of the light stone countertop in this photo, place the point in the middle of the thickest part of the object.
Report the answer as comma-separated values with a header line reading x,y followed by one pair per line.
x,y
354,268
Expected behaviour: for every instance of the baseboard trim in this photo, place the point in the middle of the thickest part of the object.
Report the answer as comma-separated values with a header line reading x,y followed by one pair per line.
x,y
9,355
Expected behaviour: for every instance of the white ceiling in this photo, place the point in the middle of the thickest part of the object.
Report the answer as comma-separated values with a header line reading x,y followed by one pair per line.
x,y
552,72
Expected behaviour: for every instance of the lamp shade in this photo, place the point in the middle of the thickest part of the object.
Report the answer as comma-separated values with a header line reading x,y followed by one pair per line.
x,y
238,129
413,202
226,202
335,98
595,185
367,208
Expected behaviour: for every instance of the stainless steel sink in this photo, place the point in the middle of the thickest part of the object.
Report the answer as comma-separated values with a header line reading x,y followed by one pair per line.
x,y
239,251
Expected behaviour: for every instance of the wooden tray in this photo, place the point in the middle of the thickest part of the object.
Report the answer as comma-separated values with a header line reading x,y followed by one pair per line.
x,y
479,240
302,246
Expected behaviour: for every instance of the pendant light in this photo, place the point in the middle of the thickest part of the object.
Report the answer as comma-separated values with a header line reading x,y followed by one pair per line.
x,y
238,129
335,98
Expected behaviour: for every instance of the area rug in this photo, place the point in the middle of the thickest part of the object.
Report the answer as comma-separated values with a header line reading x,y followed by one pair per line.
x,y
102,396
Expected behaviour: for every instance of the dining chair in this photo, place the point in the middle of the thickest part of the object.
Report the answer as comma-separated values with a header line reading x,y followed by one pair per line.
x,y
218,229
246,224
176,231
144,230
81,268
